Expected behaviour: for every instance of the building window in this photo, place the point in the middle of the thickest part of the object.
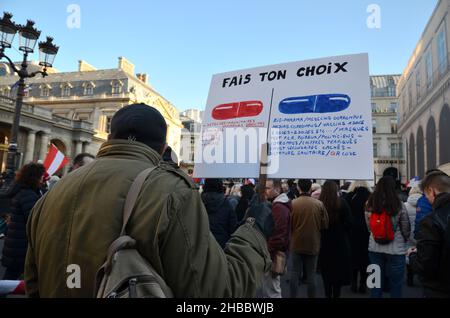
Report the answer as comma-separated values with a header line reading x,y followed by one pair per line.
x,y
45,91
442,51
397,150
410,96
66,91
429,66
108,124
393,107
116,88
374,108
391,91
5,92
375,150
89,89
374,126
394,124
418,79
3,71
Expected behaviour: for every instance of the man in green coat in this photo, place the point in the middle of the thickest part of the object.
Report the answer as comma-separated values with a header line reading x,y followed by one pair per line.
x,y
73,225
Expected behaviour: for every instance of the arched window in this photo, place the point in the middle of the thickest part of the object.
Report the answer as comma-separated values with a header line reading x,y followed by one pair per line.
x,y
45,90
420,154
431,144
65,92
116,87
412,157
88,88
444,135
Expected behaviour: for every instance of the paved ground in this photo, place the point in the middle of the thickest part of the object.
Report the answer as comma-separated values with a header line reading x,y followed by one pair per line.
x,y
408,292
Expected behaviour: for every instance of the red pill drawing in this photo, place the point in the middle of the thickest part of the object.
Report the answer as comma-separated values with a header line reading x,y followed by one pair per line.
x,y
237,110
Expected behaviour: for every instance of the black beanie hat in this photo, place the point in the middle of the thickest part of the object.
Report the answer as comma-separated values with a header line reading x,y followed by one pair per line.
x,y
140,122
213,185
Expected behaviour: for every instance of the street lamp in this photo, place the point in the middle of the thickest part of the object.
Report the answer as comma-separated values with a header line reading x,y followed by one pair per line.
x,y
28,37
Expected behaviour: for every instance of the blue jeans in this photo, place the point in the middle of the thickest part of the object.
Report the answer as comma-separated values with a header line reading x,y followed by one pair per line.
x,y
393,269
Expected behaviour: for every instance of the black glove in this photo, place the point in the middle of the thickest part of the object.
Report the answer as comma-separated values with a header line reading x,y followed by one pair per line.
x,y
262,213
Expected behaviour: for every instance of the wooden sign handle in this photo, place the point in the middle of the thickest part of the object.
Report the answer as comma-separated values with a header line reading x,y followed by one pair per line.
x,y
264,163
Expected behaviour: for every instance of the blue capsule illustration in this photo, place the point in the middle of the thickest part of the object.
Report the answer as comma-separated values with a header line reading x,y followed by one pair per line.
x,y
326,103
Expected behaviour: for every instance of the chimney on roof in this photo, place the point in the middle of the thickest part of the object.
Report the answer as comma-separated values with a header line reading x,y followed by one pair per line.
x,y
126,65
84,66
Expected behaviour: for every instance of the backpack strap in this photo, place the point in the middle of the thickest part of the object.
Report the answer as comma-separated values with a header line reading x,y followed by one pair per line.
x,y
132,195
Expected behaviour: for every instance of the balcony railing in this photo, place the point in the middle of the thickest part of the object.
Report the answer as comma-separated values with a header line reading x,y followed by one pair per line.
x,y
79,124
26,108
61,120
384,92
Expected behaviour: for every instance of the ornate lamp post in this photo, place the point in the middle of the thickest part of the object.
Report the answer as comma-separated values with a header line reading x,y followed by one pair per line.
x,y
28,36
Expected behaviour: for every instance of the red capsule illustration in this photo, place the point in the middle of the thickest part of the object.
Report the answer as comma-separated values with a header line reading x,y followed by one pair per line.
x,y
237,110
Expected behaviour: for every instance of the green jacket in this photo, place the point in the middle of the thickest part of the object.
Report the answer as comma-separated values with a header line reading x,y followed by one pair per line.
x,y
77,220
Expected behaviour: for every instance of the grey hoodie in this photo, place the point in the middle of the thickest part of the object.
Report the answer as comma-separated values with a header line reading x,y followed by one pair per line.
x,y
411,206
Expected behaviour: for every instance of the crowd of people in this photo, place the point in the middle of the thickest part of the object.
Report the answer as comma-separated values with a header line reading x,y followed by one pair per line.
x,y
223,239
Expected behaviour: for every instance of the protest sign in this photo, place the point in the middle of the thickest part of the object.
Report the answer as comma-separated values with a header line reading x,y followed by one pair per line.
x,y
316,115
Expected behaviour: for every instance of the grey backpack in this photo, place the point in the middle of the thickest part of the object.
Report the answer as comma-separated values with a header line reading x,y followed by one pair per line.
x,y
126,274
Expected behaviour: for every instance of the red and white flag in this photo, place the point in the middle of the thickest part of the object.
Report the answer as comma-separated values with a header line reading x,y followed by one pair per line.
x,y
54,160
12,287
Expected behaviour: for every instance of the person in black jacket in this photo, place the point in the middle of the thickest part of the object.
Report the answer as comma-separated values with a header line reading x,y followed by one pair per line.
x,y
431,258
334,258
24,194
222,219
247,193
357,197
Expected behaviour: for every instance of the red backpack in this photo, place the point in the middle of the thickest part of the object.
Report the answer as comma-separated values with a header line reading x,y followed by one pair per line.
x,y
381,227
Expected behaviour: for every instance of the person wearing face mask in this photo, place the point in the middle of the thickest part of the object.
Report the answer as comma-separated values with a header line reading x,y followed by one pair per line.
x,y
431,258
278,242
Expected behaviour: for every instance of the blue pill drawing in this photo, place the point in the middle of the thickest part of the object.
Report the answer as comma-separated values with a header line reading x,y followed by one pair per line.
x,y
325,103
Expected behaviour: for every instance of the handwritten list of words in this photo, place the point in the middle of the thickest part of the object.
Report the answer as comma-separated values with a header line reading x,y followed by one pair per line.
x,y
323,136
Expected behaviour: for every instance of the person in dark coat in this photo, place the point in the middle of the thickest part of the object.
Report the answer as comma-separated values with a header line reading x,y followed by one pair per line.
x,y
357,197
24,194
293,191
222,218
247,193
335,257
431,258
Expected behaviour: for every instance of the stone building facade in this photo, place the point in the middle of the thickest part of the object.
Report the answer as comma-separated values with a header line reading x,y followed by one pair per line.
x,y
387,144
424,98
89,96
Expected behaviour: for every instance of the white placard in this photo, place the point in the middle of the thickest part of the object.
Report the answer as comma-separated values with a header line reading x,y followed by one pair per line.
x,y
318,113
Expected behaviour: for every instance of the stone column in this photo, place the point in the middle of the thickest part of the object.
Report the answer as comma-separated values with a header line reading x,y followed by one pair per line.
x,y
29,151
85,145
44,146
78,147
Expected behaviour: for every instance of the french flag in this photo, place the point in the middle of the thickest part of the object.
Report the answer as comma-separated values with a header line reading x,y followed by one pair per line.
x,y
54,160
12,287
